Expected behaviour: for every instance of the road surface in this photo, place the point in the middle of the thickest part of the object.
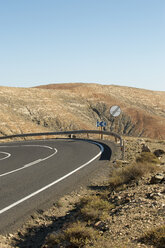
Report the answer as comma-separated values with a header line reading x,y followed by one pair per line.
x,y
33,173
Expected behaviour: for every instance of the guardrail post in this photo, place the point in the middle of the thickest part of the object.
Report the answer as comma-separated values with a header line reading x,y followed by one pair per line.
x,y
123,150
101,133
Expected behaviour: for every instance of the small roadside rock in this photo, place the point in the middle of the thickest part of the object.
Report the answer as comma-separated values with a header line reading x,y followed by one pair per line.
x,y
159,152
118,162
145,148
158,178
102,226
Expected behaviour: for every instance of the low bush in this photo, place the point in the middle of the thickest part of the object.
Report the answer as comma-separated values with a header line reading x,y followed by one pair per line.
x,y
76,235
147,157
94,207
54,239
131,172
155,237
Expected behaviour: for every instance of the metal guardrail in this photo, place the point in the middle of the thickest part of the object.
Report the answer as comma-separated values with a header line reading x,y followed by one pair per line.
x,y
117,136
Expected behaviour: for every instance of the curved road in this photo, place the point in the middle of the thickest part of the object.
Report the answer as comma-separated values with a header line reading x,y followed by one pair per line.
x,y
33,173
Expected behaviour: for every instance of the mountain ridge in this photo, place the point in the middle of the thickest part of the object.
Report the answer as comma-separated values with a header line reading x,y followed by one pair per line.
x,y
78,106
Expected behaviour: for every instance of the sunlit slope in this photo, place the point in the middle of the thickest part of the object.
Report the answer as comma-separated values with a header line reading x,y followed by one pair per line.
x,y
79,106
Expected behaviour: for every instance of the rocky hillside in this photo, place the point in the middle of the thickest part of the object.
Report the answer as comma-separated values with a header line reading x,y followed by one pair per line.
x,y
79,106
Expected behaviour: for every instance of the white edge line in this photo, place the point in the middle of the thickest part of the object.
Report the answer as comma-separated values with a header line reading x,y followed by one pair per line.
x,y
55,182
27,145
6,153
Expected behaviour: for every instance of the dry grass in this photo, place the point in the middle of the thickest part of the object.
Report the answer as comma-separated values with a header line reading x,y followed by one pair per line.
x,y
76,235
147,157
79,234
161,142
129,173
155,237
145,163
59,204
95,208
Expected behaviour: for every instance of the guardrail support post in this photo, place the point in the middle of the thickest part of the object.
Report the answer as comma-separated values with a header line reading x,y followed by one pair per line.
x,y
123,150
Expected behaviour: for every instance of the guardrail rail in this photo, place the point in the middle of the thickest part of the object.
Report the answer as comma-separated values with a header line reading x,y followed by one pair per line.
x,y
117,136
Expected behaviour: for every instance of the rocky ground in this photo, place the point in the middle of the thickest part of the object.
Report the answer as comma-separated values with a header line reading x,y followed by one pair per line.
x,y
138,208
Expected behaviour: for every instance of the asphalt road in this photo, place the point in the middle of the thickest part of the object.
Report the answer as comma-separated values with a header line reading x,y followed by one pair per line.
x,y
33,173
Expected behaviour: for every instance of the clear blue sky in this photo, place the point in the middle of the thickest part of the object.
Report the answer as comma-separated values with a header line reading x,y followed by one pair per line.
x,y
101,41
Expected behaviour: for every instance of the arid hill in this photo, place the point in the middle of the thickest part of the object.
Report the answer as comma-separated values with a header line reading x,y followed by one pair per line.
x,y
78,106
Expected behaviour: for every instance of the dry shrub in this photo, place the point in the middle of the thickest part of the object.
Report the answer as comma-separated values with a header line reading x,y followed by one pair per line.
x,y
121,188
161,142
155,237
94,207
147,157
104,194
79,235
76,235
130,172
59,204
54,239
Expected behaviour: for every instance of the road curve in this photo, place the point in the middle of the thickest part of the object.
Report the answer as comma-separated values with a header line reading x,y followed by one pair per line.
x,y
33,173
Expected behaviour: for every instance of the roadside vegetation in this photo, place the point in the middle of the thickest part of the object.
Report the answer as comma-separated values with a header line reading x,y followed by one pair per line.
x,y
155,236
147,157
75,235
93,209
145,163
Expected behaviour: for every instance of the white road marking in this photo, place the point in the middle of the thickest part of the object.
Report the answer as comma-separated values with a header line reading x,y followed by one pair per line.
x,y
31,163
29,145
7,155
55,182
40,146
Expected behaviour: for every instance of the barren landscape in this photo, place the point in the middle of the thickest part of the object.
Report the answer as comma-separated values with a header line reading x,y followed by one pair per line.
x,y
133,210
82,124
78,106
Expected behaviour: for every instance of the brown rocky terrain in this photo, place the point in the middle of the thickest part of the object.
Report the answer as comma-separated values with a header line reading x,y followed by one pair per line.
x,y
79,106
